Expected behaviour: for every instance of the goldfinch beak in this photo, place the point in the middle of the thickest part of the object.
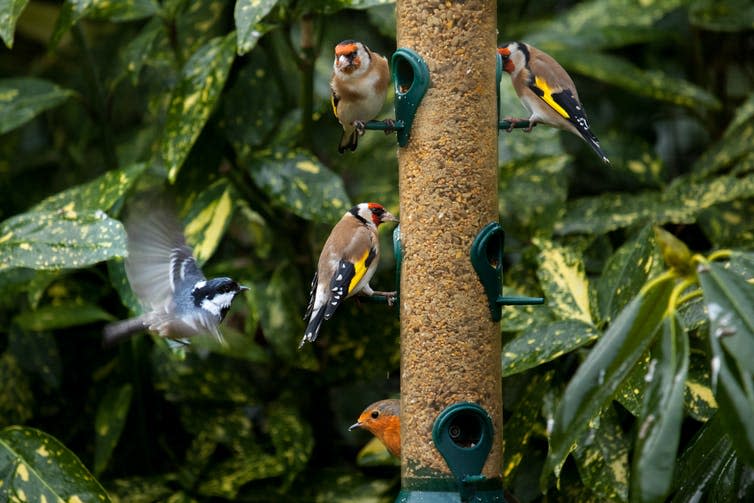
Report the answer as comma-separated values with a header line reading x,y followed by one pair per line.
x,y
388,217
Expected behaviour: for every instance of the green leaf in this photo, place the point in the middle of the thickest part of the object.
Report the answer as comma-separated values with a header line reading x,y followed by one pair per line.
x,y
23,99
10,11
60,239
374,453
122,10
533,194
699,400
70,13
679,203
605,368
63,315
706,455
662,415
247,14
542,343
36,467
561,274
625,272
633,388
37,354
112,413
208,218
134,54
101,193
602,458
17,401
722,15
620,73
300,183
729,299
194,97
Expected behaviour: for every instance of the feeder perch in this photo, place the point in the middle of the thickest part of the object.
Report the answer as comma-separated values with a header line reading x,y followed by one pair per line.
x,y
498,78
398,254
487,259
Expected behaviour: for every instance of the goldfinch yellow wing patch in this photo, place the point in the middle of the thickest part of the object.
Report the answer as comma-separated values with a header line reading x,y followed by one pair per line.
x,y
543,90
360,268
334,102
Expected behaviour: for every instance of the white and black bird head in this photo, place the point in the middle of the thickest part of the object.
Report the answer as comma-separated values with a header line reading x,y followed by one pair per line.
x,y
372,214
352,58
515,57
178,300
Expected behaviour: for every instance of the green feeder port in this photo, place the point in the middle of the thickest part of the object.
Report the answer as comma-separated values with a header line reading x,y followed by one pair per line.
x,y
398,254
487,259
463,434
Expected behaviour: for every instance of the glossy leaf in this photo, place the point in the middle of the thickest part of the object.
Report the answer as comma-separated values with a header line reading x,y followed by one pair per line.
x,y
602,457
300,183
651,83
122,10
101,193
708,452
10,11
722,15
605,368
208,218
734,146
109,422
561,274
625,272
36,467
133,58
662,414
17,401
63,315
542,343
37,355
58,239
679,203
22,99
70,13
699,399
729,299
247,14
193,99
633,388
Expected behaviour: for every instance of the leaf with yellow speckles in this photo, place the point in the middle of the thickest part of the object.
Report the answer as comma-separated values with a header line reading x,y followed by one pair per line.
x,y
208,218
625,272
606,367
659,426
112,412
61,315
23,99
10,11
60,239
36,466
561,274
194,97
602,458
101,193
122,10
299,182
248,13
542,343
678,203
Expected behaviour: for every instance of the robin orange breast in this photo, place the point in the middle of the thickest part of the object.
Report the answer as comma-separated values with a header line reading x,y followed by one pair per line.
x,y
382,419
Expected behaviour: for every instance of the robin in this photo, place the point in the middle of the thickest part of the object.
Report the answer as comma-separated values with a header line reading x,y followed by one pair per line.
x,y
383,420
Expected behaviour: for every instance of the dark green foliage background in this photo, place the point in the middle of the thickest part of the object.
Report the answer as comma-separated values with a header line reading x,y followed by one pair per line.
x,y
226,106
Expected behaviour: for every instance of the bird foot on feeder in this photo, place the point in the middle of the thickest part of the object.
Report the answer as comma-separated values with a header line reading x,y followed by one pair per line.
x,y
360,127
389,126
389,296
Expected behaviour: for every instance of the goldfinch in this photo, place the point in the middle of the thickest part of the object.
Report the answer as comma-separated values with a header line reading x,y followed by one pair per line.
x,y
359,86
348,261
547,92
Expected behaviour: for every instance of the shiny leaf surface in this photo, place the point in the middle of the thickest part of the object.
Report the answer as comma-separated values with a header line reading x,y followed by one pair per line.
x,y
561,274
109,423
10,10
22,99
247,14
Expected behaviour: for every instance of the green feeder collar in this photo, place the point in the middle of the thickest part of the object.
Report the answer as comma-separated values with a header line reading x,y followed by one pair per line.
x,y
398,253
487,259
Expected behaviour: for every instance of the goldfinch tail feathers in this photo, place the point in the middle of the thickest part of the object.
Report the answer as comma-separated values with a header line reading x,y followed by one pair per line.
x,y
348,141
577,117
592,141
312,329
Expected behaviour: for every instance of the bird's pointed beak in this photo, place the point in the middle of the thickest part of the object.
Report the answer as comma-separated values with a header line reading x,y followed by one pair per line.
x,y
354,426
242,288
388,217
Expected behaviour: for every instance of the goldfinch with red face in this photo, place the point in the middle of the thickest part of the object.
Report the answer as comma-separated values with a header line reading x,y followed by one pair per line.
x,y
547,92
359,86
348,261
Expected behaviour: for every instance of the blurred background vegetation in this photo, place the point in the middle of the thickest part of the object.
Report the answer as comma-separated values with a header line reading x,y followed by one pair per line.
x,y
226,106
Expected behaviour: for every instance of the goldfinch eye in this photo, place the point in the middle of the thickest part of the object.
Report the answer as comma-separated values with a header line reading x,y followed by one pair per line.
x,y
375,414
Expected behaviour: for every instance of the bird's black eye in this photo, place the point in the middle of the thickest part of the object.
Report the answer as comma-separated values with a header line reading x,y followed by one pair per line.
x,y
375,414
